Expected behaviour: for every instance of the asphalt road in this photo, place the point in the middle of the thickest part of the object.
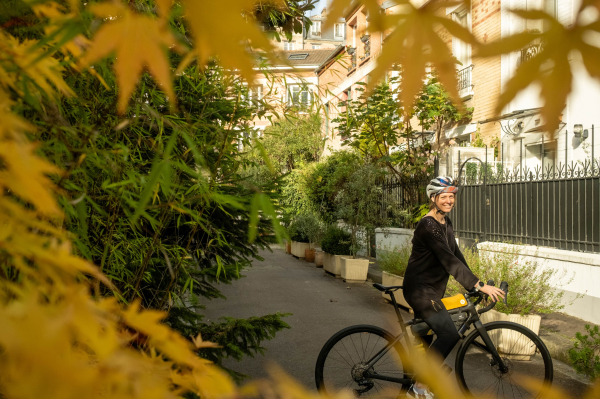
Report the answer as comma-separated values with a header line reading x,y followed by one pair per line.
x,y
321,305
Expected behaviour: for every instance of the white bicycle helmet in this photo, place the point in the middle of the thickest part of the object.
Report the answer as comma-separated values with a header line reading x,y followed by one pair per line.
x,y
441,184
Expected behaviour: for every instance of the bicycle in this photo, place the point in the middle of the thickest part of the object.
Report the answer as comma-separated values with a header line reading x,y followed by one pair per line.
x,y
368,359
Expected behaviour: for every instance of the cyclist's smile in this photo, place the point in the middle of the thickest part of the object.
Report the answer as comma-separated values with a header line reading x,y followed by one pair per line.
x,y
445,202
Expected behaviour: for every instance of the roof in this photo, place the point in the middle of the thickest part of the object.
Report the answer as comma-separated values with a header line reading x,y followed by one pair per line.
x,y
313,57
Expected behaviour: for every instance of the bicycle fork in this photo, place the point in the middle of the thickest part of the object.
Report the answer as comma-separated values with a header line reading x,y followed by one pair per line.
x,y
490,347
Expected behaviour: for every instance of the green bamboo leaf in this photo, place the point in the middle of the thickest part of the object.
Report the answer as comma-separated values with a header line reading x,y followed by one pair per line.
x,y
254,207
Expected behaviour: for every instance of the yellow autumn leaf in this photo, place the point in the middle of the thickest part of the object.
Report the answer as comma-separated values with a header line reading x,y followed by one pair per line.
x,y
138,41
416,44
28,60
550,67
220,29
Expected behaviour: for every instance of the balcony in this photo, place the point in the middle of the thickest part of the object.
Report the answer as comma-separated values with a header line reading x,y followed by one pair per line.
x,y
465,84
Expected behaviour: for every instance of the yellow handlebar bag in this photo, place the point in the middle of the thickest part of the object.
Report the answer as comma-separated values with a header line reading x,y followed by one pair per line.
x,y
454,302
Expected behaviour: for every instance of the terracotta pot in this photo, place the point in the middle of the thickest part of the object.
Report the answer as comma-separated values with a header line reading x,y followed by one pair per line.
x,y
288,247
319,258
309,255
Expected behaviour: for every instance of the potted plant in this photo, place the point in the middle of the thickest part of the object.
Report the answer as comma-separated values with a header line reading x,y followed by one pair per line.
x,y
335,244
531,289
359,205
393,262
313,228
299,240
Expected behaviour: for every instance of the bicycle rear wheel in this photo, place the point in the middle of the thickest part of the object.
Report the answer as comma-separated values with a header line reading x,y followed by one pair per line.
x,y
341,363
523,353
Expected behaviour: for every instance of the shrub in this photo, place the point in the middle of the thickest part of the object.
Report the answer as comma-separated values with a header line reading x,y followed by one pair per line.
x,y
297,234
308,225
531,288
336,241
394,260
584,354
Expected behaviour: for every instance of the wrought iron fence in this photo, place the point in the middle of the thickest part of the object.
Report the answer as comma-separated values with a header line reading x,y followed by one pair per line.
x,y
555,206
400,199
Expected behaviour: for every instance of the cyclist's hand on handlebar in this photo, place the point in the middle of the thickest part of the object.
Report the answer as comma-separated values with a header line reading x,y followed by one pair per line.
x,y
492,291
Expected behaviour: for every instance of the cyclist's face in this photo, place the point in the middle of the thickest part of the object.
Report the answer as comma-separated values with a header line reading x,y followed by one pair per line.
x,y
445,202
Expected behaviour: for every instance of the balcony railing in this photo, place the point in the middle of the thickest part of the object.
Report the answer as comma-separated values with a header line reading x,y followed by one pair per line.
x,y
464,79
531,51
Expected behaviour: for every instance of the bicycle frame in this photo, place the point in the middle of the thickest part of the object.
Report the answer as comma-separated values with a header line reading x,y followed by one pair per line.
x,y
472,319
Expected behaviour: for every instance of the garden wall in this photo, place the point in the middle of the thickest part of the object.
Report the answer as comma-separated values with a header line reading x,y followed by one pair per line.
x,y
583,267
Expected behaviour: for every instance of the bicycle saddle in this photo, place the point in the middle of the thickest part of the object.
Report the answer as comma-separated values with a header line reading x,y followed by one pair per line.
x,y
389,288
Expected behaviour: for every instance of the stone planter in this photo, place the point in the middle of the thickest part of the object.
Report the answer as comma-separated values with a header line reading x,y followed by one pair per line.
x,y
354,270
309,255
388,279
508,342
319,258
298,248
332,263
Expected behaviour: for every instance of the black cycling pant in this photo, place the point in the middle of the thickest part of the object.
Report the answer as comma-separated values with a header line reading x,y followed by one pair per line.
x,y
439,320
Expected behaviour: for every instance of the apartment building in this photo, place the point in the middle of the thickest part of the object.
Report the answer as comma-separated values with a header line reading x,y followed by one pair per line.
x,y
316,37
524,144
290,84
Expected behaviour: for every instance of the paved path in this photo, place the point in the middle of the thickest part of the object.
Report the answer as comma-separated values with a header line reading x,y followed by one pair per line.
x,y
321,305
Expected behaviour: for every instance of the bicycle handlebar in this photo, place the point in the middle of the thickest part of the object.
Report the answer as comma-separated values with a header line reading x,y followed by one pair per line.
x,y
481,295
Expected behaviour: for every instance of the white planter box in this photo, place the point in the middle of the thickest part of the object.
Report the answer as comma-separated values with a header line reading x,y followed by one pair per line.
x,y
332,263
512,343
388,279
354,270
298,248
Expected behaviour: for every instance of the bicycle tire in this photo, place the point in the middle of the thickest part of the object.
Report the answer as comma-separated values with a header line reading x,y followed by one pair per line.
x,y
376,338
522,357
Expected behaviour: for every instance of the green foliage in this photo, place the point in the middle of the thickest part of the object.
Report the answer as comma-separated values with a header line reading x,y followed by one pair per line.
x,y
295,197
309,227
584,354
157,197
328,178
288,144
359,204
336,241
435,108
530,284
394,260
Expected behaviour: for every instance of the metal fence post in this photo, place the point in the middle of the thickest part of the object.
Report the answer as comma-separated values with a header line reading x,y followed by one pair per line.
x,y
592,149
485,198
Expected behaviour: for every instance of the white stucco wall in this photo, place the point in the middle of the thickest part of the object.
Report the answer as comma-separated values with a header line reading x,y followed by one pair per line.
x,y
583,267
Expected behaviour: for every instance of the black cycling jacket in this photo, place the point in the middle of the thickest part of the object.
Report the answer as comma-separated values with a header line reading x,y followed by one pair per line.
x,y
435,256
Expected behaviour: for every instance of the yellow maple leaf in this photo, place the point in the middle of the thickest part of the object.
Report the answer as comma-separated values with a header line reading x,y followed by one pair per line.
x,y
416,44
550,66
138,41
222,30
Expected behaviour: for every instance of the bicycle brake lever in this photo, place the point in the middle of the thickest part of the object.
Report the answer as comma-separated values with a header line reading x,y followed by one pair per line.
x,y
504,287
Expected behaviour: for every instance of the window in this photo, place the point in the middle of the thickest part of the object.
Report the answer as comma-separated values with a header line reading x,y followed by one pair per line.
x,y
255,94
315,28
316,46
299,56
288,45
299,95
338,30
460,49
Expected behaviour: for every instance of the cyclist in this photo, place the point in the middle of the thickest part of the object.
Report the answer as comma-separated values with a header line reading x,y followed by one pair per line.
x,y
435,256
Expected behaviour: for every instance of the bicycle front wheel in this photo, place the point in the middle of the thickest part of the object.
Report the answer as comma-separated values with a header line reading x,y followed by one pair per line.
x,y
523,354
342,363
